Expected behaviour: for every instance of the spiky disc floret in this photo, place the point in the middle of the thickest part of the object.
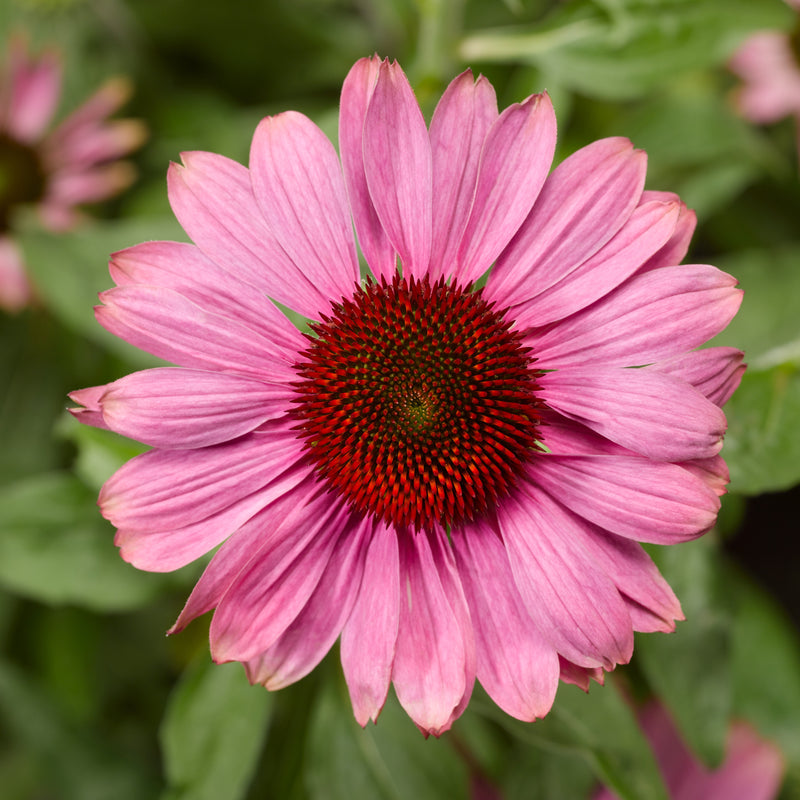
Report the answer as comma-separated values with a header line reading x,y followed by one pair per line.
x,y
417,402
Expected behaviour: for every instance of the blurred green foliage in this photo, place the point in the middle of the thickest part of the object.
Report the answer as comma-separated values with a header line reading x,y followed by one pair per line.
x,y
94,701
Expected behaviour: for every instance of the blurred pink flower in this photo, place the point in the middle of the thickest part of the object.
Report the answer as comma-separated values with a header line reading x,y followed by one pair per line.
x,y
454,480
768,65
752,770
53,168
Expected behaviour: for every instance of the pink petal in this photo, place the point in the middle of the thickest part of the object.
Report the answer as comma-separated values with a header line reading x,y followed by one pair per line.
x,y
714,371
674,251
90,414
212,197
582,205
102,104
166,324
647,229
164,489
184,408
370,632
15,288
300,190
753,769
184,268
649,413
651,317
264,531
637,579
630,496
90,146
69,187
579,676
315,629
516,665
33,90
266,596
570,599
397,162
459,126
712,471
434,642
515,160
356,93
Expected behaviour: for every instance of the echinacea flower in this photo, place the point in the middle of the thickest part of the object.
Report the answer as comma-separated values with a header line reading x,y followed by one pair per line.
x,y
752,770
55,169
451,479
768,62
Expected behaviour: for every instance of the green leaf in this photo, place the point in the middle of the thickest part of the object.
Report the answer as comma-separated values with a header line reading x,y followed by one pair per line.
x,y
100,452
602,728
766,667
212,733
761,446
56,548
387,761
69,269
690,669
767,326
625,49
76,764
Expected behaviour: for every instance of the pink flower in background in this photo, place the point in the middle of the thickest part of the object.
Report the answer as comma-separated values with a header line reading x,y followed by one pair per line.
x,y
53,168
752,770
769,64
453,480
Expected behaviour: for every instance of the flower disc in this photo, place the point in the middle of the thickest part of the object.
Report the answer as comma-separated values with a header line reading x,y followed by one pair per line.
x,y
417,402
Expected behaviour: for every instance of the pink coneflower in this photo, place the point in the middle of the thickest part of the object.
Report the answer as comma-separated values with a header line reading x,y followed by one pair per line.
x,y
752,770
454,480
55,169
769,64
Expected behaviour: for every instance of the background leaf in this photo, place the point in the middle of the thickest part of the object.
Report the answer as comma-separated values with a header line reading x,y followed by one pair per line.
x,y
212,733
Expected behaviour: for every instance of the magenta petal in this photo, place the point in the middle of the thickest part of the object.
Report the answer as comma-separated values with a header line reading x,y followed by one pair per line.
x,y
647,229
269,592
570,599
515,160
516,665
370,632
631,496
356,93
262,531
166,324
459,126
90,414
184,268
674,251
184,408
397,161
300,189
212,197
164,489
651,317
654,605
32,89
656,415
714,371
434,641
306,641
579,676
582,205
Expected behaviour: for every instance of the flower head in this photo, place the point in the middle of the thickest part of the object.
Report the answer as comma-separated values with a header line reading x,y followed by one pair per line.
x,y
452,480
55,169
752,770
